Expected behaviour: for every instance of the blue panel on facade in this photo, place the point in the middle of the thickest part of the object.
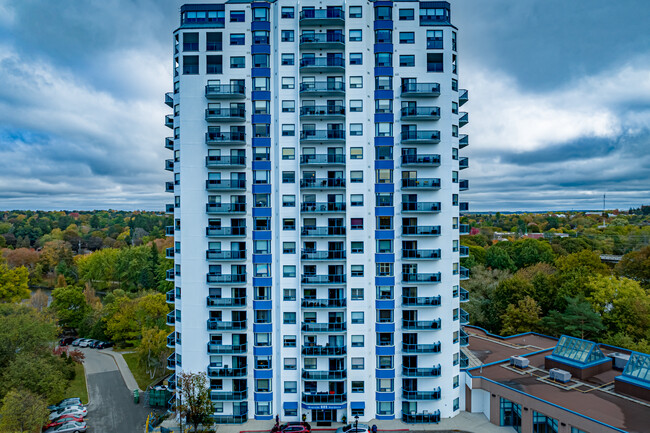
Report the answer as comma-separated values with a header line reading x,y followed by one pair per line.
x,y
261,212
262,327
260,5
262,351
384,117
384,304
384,234
383,373
260,72
384,25
263,374
384,163
262,281
261,189
260,95
382,94
263,396
385,211
261,118
385,258
261,165
262,235
384,141
383,48
384,3
263,258
357,405
261,142
323,406
385,396
264,417
384,281
384,327
260,49
383,71
384,187
291,405
385,350
261,25
385,417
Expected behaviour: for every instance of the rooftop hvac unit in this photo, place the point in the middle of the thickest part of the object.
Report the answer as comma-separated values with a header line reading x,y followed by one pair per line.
x,y
559,375
620,360
519,361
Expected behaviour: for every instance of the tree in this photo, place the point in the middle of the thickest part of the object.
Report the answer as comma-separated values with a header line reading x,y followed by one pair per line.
x,y
39,300
126,317
509,291
23,411
524,317
26,257
193,398
69,304
528,252
578,320
498,258
41,373
636,265
152,350
13,284
23,330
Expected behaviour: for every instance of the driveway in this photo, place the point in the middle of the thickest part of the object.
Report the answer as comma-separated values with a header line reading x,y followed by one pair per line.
x,y
111,407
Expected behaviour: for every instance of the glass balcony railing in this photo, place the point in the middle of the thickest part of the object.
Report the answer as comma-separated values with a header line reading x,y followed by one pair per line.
x,y
325,63
324,375
169,186
322,135
169,143
221,371
226,279
464,360
213,301
324,350
171,382
320,111
219,325
171,318
171,362
420,206
432,160
464,273
228,395
170,296
169,230
421,254
421,230
421,183
214,348
463,185
464,295
323,327
464,317
322,183
421,136
425,113
463,163
169,121
322,207
322,40
169,208
463,141
224,114
421,395
225,255
169,275
169,99
323,398
214,161
225,231
322,232
229,419
217,137
421,301
214,91
322,255
169,164
322,16
421,278
463,97
463,251
421,372
421,348
423,325
225,184
322,159
225,208
325,87
463,119
323,303
169,253
171,340
421,418
421,89
323,279
464,338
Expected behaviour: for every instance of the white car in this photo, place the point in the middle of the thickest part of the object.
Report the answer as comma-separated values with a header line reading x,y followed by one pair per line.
x,y
85,342
350,428
72,427
78,411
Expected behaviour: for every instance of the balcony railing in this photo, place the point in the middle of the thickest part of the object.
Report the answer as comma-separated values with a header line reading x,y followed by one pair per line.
x,y
463,295
421,254
169,121
323,327
324,63
463,185
322,111
322,207
464,229
225,208
421,230
324,87
464,317
323,279
213,301
169,99
322,183
421,348
464,273
421,395
323,40
322,232
322,159
171,362
214,91
463,163
171,340
229,278
322,16
464,251
225,184
463,141
426,113
169,253
324,375
225,231
464,360
422,325
463,97
228,395
324,350
225,255
171,318
170,296
219,325
215,138
229,419
422,136
421,89
224,114
171,382
419,301
214,161
463,119
219,371
169,275
322,135
421,278
169,186
169,143
421,372
464,338
420,206
169,208
426,160
169,164
421,418
169,230
323,398
421,183
322,255
214,348
323,303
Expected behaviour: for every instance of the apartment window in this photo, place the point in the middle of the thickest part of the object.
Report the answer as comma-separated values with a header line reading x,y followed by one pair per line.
x,y
310,363
237,39
454,107
356,11
190,65
262,270
385,362
357,317
261,247
356,129
454,85
356,294
356,59
261,154
287,12
356,340
288,248
290,363
289,271
261,107
355,82
263,407
356,153
261,37
383,106
407,60
455,359
383,13
289,318
357,363
453,40
288,200
218,407
237,62
384,292
454,153
261,83
385,385
454,130
384,83
288,177
383,36
357,386
356,270
190,42
406,15
356,35
288,82
261,61
237,16
454,64
356,223
455,382
356,247
288,153
289,294
407,38
384,175
357,413
288,224
434,39
434,62
384,199
213,65
260,14
384,269
383,59
385,223
384,246
356,105
356,200
288,106
356,177
288,130
287,59
385,407
262,339
286,36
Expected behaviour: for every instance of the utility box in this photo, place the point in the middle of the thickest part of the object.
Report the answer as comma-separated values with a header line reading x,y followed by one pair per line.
x,y
559,375
136,396
519,361
620,360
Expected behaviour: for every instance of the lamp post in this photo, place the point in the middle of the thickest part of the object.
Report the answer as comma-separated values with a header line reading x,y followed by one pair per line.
x,y
356,422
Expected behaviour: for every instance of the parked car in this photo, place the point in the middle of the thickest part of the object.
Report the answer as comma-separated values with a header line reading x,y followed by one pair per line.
x,y
78,411
77,341
66,340
85,342
351,428
72,427
73,401
293,427
64,419
105,344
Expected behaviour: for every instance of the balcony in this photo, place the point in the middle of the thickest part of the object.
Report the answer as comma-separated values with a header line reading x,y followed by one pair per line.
x,y
463,185
171,340
324,350
171,318
169,230
169,253
169,275
225,255
169,186
323,279
225,91
229,419
169,143
218,232
324,374
225,161
463,163
464,295
169,208
169,164
463,251
463,141
170,296
464,361
213,301
426,160
171,362
228,395
420,89
421,137
322,255
220,349
323,88
463,97
335,40
421,231
322,135
219,325
422,206
218,371
421,348
421,395
322,207
225,208
464,273
171,382
323,327
322,64
420,113
169,121
323,303
463,119
226,279
421,418
322,183
464,338
322,232
422,325
169,99
421,254
421,372
323,112
220,138
421,278
322,17
323,398
225,114
421,183
322,159
464,317
414,301
225,184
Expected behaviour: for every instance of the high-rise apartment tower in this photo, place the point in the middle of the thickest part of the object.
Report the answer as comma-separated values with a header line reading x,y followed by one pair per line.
x,y
316,208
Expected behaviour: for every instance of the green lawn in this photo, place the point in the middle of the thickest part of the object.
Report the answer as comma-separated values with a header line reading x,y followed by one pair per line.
x,y
141,376
77,387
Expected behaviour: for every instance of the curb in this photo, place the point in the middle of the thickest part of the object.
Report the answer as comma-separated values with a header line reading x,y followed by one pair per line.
x,y
115,355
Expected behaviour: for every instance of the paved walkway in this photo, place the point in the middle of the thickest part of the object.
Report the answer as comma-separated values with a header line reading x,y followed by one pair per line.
x,y
129,380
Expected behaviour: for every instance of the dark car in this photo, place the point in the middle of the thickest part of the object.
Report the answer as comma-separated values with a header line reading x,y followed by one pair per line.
x,y
105,344
73,401
293,427
94,344
65,341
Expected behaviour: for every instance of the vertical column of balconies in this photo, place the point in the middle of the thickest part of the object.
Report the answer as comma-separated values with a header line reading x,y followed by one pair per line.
x,y
322,210
463,185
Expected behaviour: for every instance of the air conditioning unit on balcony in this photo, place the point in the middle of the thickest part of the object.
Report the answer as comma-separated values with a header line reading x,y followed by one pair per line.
x,y
519,361
559,375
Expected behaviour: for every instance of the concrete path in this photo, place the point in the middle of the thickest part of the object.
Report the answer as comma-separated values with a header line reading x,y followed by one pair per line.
x,y
129,380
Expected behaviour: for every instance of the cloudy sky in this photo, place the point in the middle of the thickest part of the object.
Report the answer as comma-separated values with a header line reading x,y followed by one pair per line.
x,y
559,102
